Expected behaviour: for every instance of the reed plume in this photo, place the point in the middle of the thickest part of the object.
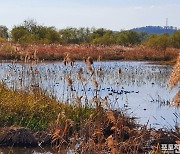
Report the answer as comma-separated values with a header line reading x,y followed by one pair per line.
x,y
80,74
174,80
69,81
175,75
176,100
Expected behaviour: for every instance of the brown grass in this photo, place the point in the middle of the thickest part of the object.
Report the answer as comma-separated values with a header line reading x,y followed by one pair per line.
x,y
92,130
79,52
175,75
174,80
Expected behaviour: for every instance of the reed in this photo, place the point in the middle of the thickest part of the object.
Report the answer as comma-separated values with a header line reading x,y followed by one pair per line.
x,y
174,80
77,52
84,125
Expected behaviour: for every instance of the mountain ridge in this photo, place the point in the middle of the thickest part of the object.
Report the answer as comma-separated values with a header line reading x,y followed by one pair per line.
x,y
156,29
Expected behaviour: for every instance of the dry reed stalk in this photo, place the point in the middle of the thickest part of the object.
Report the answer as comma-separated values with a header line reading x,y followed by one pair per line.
x,y
95,83
35,55
105,101
58,118
80,75
176,100
78,99
69,81
65,61
174,80
99,58
80,71
175,75
110,116
68,59
111,144
89,68
89,61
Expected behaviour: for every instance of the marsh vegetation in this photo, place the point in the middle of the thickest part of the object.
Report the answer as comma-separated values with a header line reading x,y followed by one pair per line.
x,y
87,106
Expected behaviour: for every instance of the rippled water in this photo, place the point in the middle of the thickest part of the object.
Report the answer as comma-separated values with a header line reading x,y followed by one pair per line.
x,y
140,89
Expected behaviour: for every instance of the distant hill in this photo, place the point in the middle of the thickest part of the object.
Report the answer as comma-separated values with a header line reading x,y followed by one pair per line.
x,y
155,29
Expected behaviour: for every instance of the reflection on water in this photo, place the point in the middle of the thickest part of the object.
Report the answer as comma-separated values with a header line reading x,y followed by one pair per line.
x,y
140,89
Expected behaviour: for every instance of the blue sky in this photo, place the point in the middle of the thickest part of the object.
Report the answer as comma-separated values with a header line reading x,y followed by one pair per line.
x,y
110,14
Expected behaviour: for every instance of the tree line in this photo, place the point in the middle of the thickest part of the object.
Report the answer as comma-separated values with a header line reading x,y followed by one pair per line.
x,y
30,32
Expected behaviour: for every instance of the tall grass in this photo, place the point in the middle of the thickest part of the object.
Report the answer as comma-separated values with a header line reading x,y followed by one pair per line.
x,y
57,52
175,80
79,124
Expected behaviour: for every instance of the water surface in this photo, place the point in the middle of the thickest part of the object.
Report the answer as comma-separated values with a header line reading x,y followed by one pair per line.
x,y
140,89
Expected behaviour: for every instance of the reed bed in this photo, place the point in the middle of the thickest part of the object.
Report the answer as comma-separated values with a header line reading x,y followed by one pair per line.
x,y
174,80
57,52
76,123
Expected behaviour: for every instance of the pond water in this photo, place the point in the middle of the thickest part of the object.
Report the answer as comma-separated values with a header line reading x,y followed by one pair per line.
x,y
138,88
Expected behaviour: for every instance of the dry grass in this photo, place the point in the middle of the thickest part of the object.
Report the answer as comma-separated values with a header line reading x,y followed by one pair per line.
x,y
175,75
83,128
174,80
78,52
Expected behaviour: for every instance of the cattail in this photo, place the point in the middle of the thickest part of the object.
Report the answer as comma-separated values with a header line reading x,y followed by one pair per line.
x,y
175,75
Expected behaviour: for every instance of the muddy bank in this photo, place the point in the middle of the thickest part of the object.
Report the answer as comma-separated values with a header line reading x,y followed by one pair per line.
x,y
112,137
23,137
